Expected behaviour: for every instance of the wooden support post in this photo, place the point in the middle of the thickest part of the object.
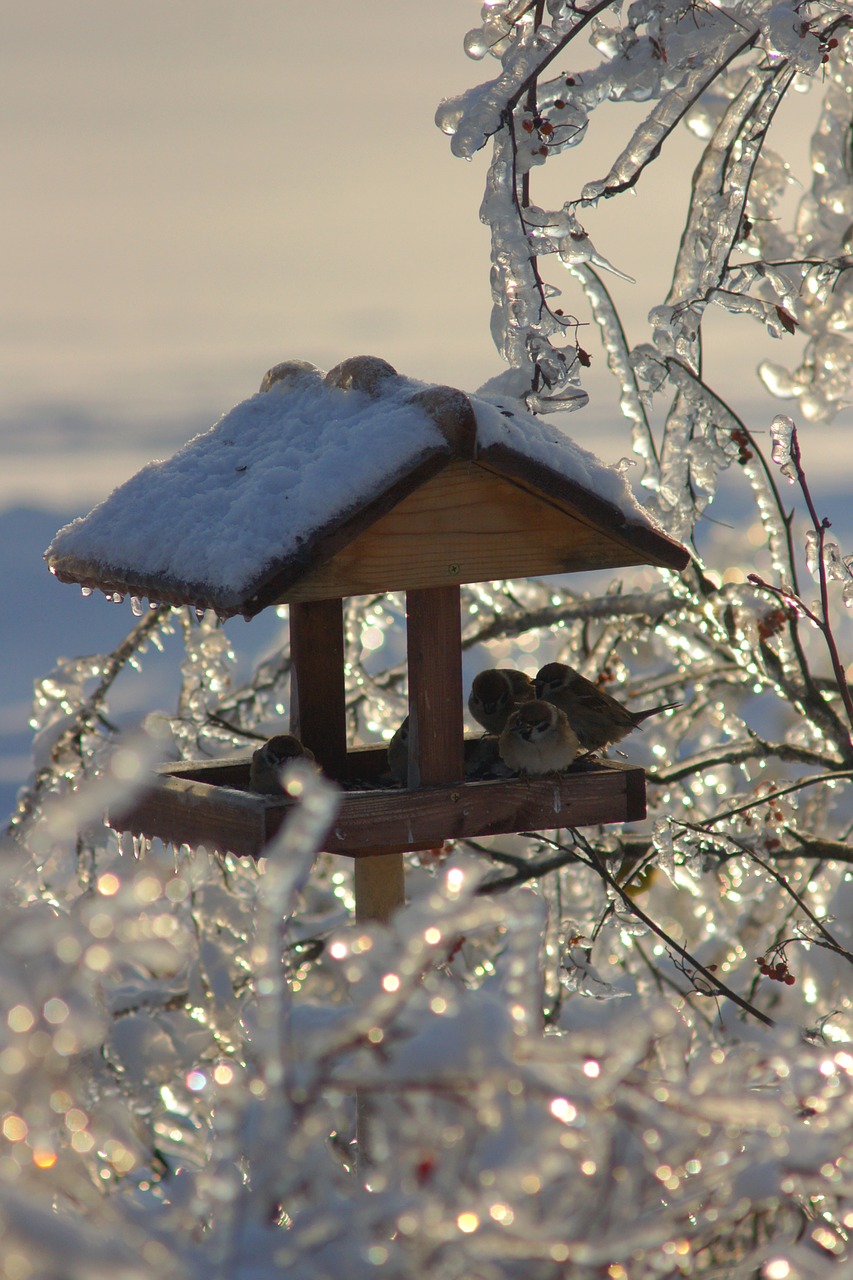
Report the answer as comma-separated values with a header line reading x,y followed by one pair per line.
x,y
436,756
317,699
436,749
379,886
434,642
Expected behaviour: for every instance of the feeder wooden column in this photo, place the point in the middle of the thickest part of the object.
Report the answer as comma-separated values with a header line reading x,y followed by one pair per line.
x,y
436,750
317,697
434,642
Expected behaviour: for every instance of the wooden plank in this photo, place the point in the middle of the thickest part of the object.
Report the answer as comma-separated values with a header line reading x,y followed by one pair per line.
x,y
435,814
570,494
434,651
466,524
317,699
180,811
380,822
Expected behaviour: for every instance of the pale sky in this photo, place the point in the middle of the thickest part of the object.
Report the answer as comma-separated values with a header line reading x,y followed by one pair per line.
x,y
197,189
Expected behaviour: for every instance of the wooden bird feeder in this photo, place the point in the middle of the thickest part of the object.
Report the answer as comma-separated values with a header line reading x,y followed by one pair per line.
x,y
319,488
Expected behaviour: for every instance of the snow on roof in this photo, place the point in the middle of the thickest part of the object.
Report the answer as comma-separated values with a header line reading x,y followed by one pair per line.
x,y
507,422
298,458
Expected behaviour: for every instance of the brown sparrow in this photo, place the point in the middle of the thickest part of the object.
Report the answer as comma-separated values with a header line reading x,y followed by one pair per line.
x,y
538,739
398,754
269,760
596,717
482,758
497,692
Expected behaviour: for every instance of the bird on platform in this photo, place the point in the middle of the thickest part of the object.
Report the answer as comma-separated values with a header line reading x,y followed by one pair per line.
x,y
538,739
495,694
597,718
269,760
483,759
398,754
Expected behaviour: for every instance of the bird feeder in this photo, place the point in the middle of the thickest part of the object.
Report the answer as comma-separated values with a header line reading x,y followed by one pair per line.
x,y
362,481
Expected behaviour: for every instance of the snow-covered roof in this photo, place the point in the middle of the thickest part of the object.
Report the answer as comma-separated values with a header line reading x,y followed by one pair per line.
x,y
294,473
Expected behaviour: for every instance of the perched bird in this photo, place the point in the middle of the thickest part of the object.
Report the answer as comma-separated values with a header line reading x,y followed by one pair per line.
x,y
538,739
269,760
496,693
482,758
289,372
398,754
596,717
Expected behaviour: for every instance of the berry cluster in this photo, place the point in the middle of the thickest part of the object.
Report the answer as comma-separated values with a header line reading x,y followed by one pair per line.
x,y
778,972
741,439
771,623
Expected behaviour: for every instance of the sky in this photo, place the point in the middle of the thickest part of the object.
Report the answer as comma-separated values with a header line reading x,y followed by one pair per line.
x,y
197,190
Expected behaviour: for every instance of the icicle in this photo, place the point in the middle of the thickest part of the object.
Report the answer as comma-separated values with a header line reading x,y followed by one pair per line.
x,y
782,433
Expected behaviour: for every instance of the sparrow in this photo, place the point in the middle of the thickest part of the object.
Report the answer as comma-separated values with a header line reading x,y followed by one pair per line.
x,y
538,739
269,760
482,759
398,754
288,372
596,717
495,693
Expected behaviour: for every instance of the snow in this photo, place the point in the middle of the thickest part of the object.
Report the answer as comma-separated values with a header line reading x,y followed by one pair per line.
x,y
288,463
505,421
247,493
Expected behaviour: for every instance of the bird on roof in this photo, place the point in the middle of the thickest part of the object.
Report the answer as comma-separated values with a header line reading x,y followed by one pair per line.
x,y
495,694
597,718
269,760
289,372
538,739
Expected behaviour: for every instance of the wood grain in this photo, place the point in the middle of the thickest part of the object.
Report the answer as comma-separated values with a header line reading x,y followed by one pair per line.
x,y
317,696
380,884
434,652
467,524
181,810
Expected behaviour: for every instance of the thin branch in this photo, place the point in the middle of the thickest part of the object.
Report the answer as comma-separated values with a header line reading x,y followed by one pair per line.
x,y
596,863
785,884
738,753
817,847
88,712
531,870
826,628
642,604
782,791
587,17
